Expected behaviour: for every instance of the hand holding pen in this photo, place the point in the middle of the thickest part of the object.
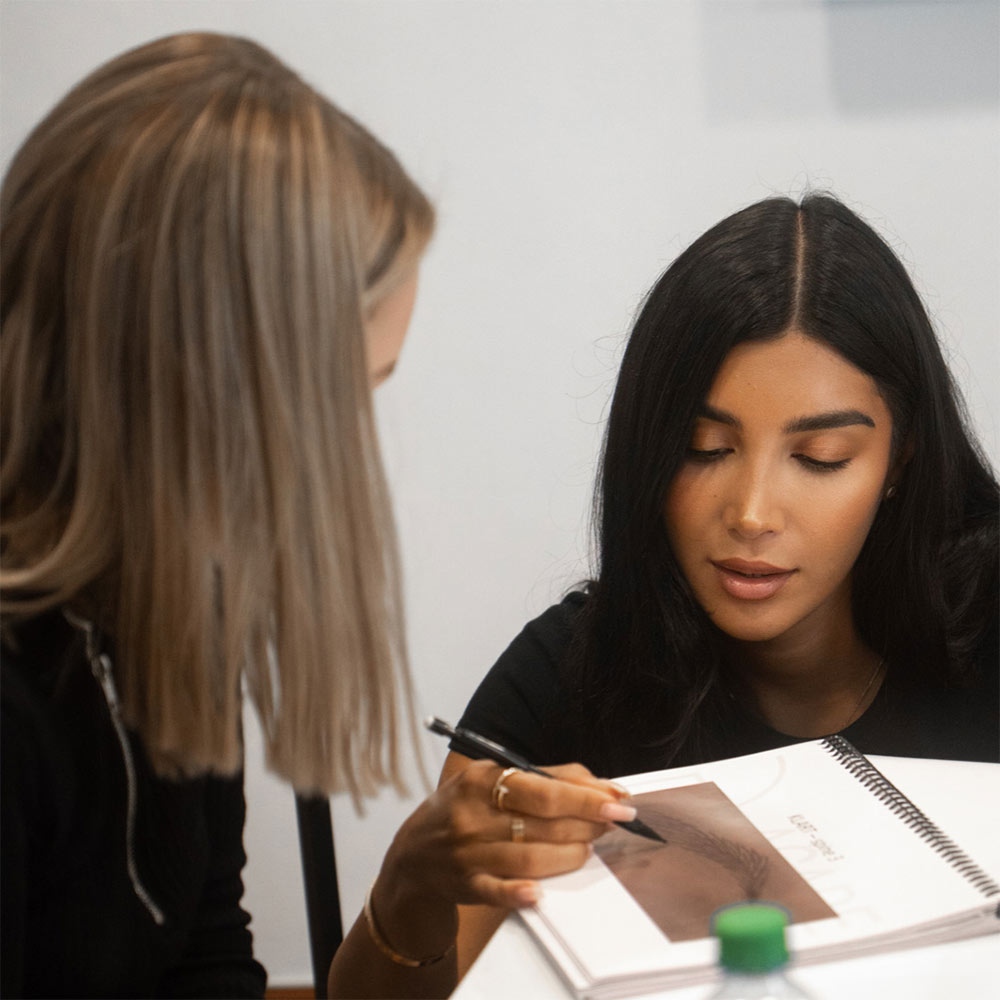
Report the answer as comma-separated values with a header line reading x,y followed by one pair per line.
x,y
480,745
489,832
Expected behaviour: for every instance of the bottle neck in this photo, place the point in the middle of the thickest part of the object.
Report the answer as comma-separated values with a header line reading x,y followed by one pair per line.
x,y
770,985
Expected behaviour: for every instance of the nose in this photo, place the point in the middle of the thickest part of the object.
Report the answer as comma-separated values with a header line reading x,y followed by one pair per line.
x,y
754,506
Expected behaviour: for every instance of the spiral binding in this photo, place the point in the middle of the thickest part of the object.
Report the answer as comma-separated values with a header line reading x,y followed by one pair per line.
x,y
884,790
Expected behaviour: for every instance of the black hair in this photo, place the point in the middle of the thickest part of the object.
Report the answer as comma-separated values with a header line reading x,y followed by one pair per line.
x,y
646,658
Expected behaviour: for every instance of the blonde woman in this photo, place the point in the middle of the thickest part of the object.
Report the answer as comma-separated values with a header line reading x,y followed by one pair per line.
x,y
205,268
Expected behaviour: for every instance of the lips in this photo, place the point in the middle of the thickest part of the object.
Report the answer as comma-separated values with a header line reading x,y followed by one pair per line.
x,y
751,581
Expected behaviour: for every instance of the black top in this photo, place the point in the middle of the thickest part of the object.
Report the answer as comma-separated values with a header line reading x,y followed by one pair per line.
x,y
522,704
73,923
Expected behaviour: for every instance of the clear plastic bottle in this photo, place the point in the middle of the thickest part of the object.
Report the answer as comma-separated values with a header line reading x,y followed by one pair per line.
x,y
753,955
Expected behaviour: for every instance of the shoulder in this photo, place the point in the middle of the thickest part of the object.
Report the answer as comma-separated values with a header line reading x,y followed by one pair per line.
x,y
521,698
39,759
542,644
945,721
37,658
978,703
48,695
550,633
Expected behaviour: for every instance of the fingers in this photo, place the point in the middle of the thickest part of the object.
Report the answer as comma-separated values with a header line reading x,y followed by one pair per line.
x,y
531,860
577,774
508,871
508,894
573,794
459,846
570,791
564,830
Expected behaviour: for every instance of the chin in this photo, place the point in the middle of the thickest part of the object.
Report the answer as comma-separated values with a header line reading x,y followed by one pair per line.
x,y
754,635
749,634
744,629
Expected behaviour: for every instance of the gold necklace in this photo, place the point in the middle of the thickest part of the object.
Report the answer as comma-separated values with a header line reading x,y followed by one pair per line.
x,y
864,694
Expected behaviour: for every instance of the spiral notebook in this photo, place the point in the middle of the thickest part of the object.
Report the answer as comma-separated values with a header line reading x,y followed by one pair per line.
x,y
814,827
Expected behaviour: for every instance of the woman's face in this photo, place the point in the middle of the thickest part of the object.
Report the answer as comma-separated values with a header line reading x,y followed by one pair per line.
x,y
787,465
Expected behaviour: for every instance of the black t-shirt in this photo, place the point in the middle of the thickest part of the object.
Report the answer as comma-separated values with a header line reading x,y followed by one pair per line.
x,y
522,702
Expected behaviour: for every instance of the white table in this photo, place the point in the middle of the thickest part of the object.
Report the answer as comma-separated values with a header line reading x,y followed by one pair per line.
x,y
963,798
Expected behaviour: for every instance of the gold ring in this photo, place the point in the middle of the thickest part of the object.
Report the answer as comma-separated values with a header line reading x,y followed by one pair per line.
x,y
500,790
517,829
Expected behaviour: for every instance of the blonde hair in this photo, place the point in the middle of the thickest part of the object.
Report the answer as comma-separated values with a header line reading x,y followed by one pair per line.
x,y
191,241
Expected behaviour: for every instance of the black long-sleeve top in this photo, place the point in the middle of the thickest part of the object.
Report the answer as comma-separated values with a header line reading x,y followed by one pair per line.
x,y
73,922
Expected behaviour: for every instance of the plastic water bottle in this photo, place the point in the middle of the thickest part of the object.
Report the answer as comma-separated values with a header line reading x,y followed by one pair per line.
x,y
753,956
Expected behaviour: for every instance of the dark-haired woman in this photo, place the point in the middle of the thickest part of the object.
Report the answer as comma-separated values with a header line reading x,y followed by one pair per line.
x,y
798,537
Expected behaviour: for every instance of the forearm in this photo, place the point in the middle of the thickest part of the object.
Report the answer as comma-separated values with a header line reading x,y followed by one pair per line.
x,y
413,929
459,847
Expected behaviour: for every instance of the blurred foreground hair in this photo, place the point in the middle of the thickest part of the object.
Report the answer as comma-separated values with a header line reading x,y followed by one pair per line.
x,y
191,240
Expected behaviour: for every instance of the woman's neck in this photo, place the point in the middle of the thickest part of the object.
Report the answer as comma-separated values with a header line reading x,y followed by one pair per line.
x,y
809,688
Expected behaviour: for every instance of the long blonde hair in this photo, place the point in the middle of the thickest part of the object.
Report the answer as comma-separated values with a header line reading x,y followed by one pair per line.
x,y
191,240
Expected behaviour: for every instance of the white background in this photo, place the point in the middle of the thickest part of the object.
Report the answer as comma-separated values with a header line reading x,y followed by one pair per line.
x,y
573,148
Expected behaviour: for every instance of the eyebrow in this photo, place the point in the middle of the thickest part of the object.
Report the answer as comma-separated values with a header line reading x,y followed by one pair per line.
x,y
815,422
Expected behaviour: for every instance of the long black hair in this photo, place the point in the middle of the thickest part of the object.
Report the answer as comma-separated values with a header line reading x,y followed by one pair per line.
x,y
925,583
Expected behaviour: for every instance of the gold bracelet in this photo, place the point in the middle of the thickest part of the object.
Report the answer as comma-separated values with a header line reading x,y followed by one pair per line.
x,y
382,945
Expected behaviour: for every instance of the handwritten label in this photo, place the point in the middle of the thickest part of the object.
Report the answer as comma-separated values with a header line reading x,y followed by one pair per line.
x,y
801,823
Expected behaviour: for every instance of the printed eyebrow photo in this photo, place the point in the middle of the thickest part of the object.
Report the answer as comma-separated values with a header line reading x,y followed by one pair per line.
x,y
713,856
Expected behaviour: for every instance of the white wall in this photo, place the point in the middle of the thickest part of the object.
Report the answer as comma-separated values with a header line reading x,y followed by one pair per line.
x,y
574,147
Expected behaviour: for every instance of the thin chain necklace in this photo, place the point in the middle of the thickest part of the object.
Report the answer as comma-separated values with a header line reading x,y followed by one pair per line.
x,y
856,711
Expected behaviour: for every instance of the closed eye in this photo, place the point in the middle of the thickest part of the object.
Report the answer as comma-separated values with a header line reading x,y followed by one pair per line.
x,y
815,465
706,456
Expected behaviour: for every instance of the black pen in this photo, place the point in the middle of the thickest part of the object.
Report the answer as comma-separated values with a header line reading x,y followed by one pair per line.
x,y
488,748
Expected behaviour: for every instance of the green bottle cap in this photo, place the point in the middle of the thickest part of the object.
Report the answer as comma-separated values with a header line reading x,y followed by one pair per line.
x,y
751,937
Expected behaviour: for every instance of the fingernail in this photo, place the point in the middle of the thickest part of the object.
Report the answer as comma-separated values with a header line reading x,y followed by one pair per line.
x,y
527,895
615,812
620,790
